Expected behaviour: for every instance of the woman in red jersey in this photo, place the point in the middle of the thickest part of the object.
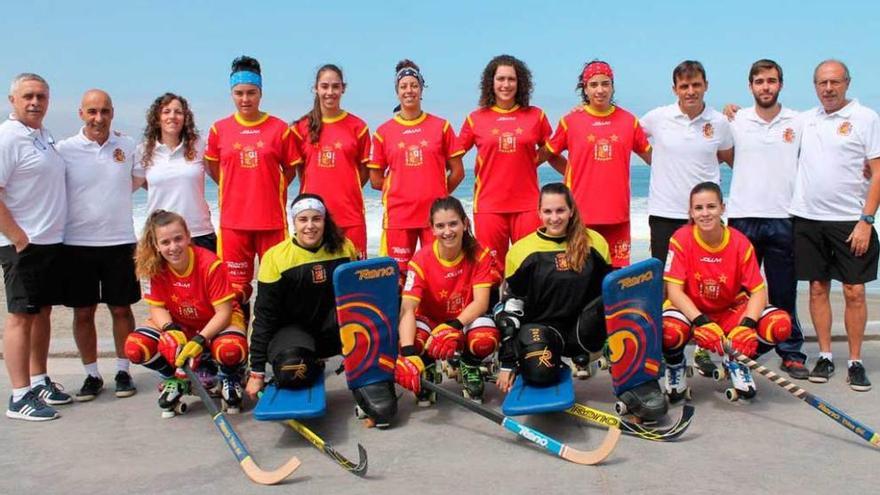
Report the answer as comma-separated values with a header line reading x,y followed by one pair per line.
x,y
415,160
193,312
716,293
600,137
509,135
335,146
445,298
253,156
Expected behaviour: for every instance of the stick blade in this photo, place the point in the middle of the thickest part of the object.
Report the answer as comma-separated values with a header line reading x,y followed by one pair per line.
x,y
262,477
592,457
359,469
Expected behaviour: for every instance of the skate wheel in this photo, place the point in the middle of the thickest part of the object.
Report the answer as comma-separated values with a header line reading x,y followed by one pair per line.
x,y
168,413
602,363
620,408
731,394
228,408
688,395
719,374
180,408
359,413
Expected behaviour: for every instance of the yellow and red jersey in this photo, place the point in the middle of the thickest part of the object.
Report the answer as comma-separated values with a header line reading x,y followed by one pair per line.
x,y
253,191
190,296
414,153
331,166
712,277
444,288
599,148
507,150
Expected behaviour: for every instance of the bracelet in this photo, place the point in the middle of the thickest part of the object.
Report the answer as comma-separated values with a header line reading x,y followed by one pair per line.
x,y
456,324
701,320
408,350
748,323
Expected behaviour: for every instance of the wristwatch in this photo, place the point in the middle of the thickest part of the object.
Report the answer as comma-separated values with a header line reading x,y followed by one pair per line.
x,y
868,219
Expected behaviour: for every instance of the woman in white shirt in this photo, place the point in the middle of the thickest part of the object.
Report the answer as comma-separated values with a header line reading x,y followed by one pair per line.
x,y
171,153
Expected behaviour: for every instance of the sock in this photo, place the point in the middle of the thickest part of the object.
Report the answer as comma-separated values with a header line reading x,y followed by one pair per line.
x,y
92,369
123,364
851,362
38,380
826,355
19,393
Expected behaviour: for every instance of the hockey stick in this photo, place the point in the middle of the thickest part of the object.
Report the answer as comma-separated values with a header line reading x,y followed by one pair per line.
x,y
359,469
235,444
824,407
634,429
554,446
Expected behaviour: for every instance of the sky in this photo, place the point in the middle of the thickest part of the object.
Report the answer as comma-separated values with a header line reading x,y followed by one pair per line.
x,y
137,50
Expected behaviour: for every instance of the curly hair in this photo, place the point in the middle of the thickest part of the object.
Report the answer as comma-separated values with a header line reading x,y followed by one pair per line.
x,y
147,259
189,135
523,81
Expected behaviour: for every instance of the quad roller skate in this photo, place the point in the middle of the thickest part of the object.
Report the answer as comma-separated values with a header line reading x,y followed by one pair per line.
x,y
450,368
426,398
645,402
472,381
703,364
172,390
230,392
376,404
741,379
676,381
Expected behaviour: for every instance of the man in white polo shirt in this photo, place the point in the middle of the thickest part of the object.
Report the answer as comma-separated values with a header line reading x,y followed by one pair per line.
x,y
767,138
32,212
99,239
689,140
833,208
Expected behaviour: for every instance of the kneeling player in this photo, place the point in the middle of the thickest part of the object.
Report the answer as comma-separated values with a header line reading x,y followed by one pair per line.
x,y
193,313
447,291
715,292
552,306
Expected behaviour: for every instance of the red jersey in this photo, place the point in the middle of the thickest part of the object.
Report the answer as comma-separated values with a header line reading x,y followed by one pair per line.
x,y
712,277
331,166
190,296
599,148
253,192
414,152
507,150
444,288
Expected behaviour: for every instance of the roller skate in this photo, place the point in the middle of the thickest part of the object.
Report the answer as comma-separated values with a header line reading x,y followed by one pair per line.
x,y
451,368
740,378
472,381
582,368
703,364
426,398
644,401
376,404
230,392
676,381
172,390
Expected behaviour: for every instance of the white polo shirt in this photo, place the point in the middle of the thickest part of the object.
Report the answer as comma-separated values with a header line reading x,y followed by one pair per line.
x,y
765,164
99,180
830,184
177,183
685,154
32,178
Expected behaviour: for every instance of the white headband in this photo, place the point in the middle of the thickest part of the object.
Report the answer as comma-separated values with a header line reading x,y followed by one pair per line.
x,y
308,204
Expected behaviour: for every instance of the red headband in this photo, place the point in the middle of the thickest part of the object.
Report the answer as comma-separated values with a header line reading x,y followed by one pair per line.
x,y
595,68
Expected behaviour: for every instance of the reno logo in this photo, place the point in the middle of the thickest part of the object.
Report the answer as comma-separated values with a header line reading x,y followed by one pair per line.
x,y
626,283
532,436
372,273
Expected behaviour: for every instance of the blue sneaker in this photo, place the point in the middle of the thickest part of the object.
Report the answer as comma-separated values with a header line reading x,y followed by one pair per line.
x,y
52,393
30,408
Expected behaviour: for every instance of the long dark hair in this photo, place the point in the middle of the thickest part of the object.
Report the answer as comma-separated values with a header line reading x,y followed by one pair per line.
x,y
314,116
468,242
153,132
707,186
523,81
333,239
575,234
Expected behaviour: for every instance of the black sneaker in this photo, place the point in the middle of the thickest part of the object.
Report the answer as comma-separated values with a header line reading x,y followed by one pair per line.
x,y
52,393
857,378
822,371
90,389
795,369
30,408
124,386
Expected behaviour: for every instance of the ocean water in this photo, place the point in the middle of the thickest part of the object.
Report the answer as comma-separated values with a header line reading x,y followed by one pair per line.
x,y
640,175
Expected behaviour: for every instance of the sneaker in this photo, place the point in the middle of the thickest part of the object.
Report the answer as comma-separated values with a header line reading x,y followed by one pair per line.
x,y
52,393
822,371
795,369
857,378
30,408
90,389
124,385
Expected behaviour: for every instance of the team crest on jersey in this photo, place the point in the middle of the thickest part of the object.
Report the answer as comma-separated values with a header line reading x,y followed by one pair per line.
x,y
187,311
414,156
249,157
844,129
327,157
710,288
602,150
788,135
708,130
319,274
561,262
507,142
119,155
455,303
620,250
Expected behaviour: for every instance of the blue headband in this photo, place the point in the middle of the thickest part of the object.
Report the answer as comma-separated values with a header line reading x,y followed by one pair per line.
x,y
245,77
409,71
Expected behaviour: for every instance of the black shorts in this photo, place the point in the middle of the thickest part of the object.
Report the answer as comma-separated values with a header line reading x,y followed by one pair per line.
x,y
662,229
100,274
33,277
207,241
822,253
